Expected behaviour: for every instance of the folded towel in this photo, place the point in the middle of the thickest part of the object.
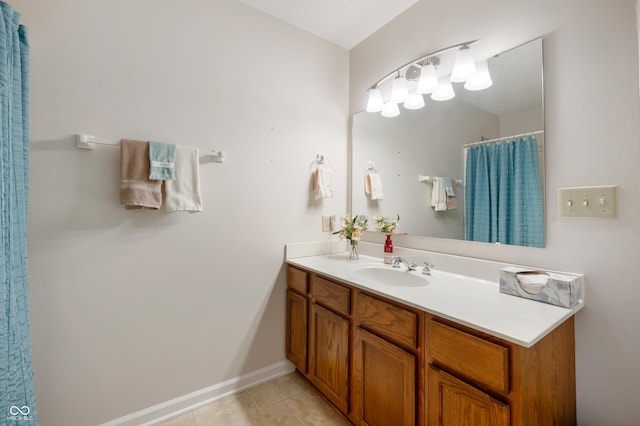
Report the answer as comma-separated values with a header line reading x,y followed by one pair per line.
x,y
162,157
450,186
438,195
373,186
136,190
183,193
323,182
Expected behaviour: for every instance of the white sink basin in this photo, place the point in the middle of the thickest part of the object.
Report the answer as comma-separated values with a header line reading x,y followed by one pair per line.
x,y
387,275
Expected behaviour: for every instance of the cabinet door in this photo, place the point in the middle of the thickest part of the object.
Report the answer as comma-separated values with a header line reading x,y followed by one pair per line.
x,y
452,402
329,355
384,382
297,330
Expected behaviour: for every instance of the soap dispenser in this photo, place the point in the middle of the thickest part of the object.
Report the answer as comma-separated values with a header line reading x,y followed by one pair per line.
x,y
388,250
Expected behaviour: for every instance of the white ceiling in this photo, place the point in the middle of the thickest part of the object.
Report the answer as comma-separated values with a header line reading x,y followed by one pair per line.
x,y
345,23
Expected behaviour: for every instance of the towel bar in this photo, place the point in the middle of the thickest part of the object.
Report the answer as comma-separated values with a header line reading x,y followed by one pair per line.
x,y
429,179
88,142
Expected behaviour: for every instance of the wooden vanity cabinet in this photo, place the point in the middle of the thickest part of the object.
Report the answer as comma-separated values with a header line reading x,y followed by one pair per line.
x,y
489,381
387,354
297,317
384,363
453,402
329,340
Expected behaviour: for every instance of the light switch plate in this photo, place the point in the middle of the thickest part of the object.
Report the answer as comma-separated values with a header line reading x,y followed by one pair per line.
x,y
588,201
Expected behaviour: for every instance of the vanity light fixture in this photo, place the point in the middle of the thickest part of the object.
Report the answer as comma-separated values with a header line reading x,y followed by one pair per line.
x,y
464,66
375,103
410,92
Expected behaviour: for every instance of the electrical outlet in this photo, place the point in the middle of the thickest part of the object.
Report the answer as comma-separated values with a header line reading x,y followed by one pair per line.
x,y
587,201
326,223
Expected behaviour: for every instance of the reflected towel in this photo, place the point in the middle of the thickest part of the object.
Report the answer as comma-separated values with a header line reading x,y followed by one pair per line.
x,y
136,190
450,186
438,195
162,157
323,183
373,186
183,193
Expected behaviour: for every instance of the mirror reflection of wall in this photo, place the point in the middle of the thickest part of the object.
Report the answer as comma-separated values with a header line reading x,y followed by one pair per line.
x,y
430,141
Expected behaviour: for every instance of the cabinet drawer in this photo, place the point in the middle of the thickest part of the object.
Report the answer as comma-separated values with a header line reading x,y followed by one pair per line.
x,y
469,357
393,322
297,280
331,295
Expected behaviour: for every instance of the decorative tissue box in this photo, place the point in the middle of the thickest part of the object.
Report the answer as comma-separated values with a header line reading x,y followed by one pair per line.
x,y
560,289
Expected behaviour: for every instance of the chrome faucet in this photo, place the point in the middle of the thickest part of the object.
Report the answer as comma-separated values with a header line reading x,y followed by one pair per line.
x,y
398,260
427,268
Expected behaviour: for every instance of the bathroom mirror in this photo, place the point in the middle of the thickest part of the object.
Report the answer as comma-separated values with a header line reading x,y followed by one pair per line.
x,y
431,142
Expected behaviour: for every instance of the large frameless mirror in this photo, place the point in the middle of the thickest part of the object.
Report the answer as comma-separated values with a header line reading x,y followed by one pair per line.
x,y
413,154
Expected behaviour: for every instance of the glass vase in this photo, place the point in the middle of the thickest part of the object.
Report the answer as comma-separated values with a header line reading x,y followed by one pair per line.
x,y
353,252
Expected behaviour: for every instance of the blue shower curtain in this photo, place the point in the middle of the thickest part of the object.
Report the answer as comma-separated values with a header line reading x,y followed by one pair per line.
x,y
17,401
503,195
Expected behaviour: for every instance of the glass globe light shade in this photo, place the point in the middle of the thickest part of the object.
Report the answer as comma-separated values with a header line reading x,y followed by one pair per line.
x,y
414,101
399,90
390,110
428,79
464,66
444,91
481,79
375,103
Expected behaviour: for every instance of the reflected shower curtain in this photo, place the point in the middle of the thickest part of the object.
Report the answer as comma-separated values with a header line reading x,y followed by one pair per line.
x,y
503,196
17,401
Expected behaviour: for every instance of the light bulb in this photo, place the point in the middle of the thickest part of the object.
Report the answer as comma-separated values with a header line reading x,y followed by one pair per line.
x,y
464,66
444,91
414,101
375,103
399,91
428,79
390,110
481,79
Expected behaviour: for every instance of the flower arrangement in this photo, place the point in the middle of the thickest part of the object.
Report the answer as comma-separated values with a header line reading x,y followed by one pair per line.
x,y
353,227
386,224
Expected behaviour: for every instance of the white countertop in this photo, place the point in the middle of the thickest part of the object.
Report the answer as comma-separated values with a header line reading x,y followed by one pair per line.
x,y
465,300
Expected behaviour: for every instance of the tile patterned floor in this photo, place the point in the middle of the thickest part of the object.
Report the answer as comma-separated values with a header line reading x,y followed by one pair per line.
x,y
287,400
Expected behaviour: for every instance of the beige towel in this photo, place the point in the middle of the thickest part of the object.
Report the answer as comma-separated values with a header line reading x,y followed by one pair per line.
x,y
183,193
136,190
323,182
373,186
452,201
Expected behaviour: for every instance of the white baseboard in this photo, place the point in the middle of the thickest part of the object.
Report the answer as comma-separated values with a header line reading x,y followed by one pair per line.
x,y
193,400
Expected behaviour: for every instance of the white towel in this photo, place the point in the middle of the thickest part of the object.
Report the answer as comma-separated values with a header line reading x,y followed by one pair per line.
x,y
183,193
323,183
438,195
373,186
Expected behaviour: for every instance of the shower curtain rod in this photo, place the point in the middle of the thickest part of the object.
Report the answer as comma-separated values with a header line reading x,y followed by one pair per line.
x,y
87,142
503,139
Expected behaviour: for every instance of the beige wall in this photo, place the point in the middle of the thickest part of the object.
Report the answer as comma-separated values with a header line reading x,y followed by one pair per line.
x,y
131,309
592,138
